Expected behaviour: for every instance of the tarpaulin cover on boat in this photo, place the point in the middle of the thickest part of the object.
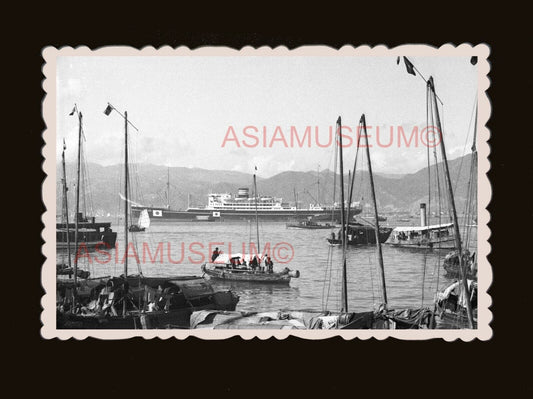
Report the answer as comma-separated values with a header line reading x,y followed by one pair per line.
x,y
245,320
410,318
294,319
192,287
225,258
195,288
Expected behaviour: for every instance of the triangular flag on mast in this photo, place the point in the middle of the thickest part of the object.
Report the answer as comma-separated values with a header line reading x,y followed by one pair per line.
x,y
108,109
409,66
73,110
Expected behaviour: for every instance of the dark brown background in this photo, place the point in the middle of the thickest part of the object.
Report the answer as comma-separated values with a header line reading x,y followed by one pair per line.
x,y
159,368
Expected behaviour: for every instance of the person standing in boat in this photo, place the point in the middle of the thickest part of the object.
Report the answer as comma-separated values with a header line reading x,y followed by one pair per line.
x,y
253,263
215,254
269,264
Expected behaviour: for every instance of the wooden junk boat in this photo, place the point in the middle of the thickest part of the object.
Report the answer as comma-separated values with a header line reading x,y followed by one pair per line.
x,y
132,301
238,268
451,304
92,234
360,234
452,265
140,302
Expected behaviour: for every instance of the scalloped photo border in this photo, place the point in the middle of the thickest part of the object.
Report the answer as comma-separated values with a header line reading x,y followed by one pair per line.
x,y
48,274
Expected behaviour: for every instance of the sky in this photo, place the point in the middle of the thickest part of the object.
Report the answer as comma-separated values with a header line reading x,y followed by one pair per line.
x,y
192,111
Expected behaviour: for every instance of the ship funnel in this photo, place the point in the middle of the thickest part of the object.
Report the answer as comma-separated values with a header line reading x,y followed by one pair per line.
x,y
423,217
243,193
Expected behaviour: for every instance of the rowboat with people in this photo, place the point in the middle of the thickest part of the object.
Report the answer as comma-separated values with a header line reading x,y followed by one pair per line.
x,y
247,268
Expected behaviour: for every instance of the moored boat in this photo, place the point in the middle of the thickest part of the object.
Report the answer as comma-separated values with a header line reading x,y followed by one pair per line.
x,y
423,237
140,302
360,234
452,266
91,234
306,320
134,301
438,236
309,225
451,305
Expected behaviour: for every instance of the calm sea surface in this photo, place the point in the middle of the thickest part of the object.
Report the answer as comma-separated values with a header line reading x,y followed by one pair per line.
x,y
412,277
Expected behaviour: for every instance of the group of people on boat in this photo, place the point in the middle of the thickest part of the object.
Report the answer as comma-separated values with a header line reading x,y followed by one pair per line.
x,y
254,264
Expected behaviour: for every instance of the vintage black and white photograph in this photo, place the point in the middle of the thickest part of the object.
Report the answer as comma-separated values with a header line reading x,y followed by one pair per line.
x,y
266,192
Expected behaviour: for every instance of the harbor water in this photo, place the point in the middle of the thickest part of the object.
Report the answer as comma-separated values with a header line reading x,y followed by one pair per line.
x,y
178,249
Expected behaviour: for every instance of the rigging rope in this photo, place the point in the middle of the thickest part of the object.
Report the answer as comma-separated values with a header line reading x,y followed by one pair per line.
x,y
466,143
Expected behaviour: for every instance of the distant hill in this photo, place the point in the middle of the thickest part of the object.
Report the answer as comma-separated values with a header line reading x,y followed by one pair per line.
x,y
149,182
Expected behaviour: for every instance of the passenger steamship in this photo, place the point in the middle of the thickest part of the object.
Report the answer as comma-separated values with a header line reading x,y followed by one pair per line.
x,y
225,206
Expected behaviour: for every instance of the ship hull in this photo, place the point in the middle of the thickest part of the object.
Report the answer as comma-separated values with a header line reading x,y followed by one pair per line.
x,y
447,245
203,215
91,235
246,276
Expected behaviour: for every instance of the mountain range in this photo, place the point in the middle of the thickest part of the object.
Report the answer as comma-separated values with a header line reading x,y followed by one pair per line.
x,y
100,192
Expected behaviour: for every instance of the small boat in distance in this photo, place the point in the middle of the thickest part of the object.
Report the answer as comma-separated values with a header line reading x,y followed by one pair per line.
x,y
310,225
142,224
204,218
370,218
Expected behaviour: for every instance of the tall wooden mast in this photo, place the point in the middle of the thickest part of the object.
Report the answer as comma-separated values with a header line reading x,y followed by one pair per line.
x,y
457,234
107,111
256,213
168,187
376,229
344,293
65,199
77,216
318,185
126,177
